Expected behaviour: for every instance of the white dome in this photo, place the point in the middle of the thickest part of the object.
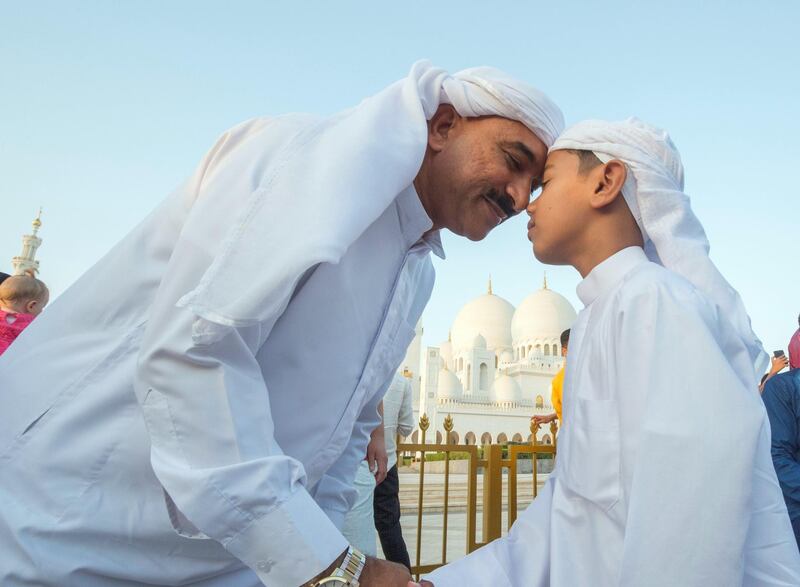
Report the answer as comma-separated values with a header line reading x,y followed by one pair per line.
x,y
544,314
507,357
449,386
505,389
479,342
488,315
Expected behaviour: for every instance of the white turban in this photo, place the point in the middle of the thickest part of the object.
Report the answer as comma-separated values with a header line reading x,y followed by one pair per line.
x,y
334,178
672,234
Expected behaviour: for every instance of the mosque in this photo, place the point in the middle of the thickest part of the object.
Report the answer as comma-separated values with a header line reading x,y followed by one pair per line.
x,y
494,371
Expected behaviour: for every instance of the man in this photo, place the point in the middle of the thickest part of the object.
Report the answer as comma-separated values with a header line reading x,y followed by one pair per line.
x,y
193,410
556,387
663,476
782,401
794,348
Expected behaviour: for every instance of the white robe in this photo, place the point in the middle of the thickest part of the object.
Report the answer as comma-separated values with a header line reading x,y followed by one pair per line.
x,y
238,471
663,475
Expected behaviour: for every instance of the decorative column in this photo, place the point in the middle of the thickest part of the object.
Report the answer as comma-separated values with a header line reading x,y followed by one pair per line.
x,y
26,262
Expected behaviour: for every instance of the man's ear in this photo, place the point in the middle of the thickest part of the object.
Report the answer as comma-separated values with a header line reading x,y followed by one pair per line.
x,y
609,179
440,125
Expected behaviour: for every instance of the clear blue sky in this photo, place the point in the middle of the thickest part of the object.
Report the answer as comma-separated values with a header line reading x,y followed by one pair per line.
x,y
106,106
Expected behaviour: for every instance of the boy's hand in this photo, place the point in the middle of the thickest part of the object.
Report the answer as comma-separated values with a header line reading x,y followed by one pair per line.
x,y
377,459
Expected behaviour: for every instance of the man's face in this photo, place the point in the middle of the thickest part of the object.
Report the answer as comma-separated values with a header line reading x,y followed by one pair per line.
x,y
484,174
561,211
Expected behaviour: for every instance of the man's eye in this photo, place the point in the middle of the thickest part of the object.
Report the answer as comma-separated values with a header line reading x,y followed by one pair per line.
x,y
513,163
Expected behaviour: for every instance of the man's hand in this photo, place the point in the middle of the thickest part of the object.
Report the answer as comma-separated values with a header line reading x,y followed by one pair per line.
x,y
543,419
778,364
381,573
377,459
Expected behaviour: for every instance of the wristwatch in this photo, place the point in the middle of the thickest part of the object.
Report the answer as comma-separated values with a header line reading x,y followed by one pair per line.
x,y
348,572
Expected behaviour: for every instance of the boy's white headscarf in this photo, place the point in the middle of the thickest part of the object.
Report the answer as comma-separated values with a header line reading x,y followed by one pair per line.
x,y
654,193
333,179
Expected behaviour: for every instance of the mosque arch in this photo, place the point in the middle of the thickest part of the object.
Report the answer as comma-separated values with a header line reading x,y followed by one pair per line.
x,y
539,402
546,439
517,437
496,361
453,437
486,438
555,350
538,348
530,348
469,438
469,377
502,438
438,437
460,363
547,350
484,375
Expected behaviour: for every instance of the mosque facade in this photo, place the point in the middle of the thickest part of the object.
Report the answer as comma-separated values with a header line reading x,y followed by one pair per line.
x,y
494,371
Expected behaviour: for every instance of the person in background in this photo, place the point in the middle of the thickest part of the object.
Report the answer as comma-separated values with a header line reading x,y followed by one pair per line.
x,y
556,387
22,298
782,399
779,363
398,420
794,348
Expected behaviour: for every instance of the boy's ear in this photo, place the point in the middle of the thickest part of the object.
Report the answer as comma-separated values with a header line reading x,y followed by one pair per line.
x,y
31,306
609,179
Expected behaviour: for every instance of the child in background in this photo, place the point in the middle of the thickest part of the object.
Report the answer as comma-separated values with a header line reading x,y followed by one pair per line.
x,y
22,298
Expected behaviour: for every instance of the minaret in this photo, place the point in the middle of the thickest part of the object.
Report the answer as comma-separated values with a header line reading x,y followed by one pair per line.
x,y
490,286
544,286
26,262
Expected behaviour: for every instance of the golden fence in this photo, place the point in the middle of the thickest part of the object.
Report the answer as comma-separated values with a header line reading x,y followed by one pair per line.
x,y
491,461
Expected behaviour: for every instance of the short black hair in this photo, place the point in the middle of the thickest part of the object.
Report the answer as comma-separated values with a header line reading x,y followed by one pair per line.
x,y
3,276
565,338
587,160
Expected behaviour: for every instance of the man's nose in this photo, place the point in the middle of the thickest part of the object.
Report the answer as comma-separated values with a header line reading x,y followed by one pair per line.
x,y
520,192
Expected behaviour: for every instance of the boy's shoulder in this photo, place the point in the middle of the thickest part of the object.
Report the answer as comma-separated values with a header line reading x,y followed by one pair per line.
x,y
656,284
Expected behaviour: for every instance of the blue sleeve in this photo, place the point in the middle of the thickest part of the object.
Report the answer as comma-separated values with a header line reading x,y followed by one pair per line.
x,y
784,411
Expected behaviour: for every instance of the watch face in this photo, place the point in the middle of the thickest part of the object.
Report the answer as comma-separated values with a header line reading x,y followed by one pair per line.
x,y
334,582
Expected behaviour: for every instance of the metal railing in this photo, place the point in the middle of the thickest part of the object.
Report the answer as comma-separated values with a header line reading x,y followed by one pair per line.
x,y
490,459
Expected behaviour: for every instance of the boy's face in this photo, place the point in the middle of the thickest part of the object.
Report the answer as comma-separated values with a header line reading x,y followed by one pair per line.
x,y
561,211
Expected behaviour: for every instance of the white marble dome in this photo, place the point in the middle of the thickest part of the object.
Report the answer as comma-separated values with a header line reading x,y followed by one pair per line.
x,y
488,315
543,315
506,357
479,342
449,387
506,390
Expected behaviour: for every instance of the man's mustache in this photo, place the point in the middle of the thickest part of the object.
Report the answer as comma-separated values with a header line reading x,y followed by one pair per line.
x,y
504,201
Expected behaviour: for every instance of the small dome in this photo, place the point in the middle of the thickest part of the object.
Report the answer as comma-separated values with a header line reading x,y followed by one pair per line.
x,y
449,386
488,315
505,390
479,342
543,315
506,357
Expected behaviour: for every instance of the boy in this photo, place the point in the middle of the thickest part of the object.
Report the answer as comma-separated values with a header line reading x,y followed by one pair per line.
x,y
22,298
663,476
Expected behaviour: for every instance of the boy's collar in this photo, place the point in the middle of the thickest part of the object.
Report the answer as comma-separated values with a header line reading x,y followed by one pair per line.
x,y
608,273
